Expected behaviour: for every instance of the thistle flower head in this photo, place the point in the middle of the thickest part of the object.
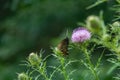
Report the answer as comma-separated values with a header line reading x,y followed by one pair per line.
x,y
80,35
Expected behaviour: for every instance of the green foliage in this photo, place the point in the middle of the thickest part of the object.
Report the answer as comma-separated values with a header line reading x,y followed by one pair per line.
x,y
63,69
28,25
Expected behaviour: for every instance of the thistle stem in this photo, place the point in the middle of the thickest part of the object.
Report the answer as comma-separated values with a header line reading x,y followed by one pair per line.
x,y
42,72
94,72
62,61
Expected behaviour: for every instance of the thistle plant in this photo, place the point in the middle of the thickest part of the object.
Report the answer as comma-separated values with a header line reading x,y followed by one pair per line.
x,y
94,32
85,39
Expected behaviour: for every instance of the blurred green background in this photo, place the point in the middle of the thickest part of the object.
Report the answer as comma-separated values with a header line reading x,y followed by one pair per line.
x,y
29,25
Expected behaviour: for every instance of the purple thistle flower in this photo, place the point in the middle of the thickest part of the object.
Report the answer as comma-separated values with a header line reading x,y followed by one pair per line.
x,y
80,35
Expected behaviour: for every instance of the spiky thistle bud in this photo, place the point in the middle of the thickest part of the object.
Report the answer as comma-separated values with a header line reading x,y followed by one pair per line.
x,y
116,27
95,25
34,59
23,76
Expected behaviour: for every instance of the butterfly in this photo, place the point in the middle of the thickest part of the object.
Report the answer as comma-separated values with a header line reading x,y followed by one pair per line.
x,y
63,46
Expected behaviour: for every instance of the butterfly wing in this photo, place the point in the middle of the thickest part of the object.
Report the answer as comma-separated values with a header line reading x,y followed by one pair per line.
x,y
63,46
